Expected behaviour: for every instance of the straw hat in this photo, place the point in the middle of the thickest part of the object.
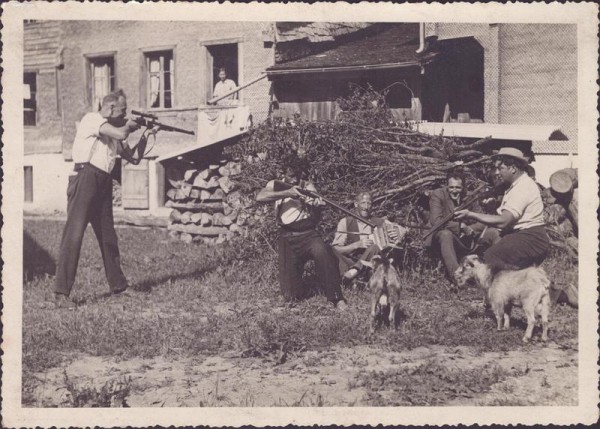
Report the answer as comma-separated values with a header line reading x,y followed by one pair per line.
x,y
512,152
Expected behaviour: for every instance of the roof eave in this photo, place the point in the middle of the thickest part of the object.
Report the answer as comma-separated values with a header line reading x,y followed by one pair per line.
x,y
281,72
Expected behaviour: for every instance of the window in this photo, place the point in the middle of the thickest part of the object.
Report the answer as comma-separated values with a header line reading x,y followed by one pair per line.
x,y
220,56
29,99
101,78
160,79
28,171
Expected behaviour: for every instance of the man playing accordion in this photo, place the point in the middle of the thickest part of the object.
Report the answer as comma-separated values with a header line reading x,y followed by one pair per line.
x,y
356,242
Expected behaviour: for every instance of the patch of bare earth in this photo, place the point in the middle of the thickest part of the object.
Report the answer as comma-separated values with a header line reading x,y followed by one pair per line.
x,y
538,375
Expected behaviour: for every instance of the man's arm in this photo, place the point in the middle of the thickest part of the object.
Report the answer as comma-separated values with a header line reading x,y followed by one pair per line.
x,y
502,221
268,194
341,237
118,133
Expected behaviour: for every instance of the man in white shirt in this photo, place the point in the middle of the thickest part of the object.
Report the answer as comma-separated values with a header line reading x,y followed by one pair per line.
x,y
520,216
98,141
224,86
299,241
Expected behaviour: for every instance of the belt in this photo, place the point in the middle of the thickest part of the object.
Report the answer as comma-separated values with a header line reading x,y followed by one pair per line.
x,y
287,233
79,166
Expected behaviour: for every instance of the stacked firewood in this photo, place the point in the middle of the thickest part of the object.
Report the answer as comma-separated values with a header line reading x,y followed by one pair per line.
x,y
207,205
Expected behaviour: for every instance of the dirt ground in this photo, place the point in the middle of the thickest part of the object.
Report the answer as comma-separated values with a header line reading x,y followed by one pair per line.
x,y
547,375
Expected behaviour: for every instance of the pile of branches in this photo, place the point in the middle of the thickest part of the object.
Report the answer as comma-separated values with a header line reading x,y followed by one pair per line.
x,y
364,149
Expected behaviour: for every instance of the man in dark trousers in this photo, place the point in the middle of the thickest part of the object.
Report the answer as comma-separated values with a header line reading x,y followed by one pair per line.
x,y
520,217
455,239
299,241
98,141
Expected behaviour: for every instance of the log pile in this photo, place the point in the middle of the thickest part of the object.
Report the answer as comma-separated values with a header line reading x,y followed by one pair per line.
x,y
207,204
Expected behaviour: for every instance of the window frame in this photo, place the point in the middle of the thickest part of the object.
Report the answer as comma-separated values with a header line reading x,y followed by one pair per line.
x,y
35,74
28,169
146,54
208,84
90,60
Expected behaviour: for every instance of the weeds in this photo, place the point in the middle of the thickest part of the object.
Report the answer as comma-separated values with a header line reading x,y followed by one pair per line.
x,y
429,384
113,393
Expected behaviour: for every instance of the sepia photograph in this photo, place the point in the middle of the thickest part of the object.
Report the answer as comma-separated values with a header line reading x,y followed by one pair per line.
x,y
270,215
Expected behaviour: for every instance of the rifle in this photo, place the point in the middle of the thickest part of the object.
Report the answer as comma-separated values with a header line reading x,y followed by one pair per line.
x,y
380,234
150,121
477,194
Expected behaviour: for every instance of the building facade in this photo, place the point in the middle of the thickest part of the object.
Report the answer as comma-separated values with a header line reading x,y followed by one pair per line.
x,y
168,69
530,77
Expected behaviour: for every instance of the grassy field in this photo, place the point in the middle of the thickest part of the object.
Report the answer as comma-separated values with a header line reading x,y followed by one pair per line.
x,y
194,300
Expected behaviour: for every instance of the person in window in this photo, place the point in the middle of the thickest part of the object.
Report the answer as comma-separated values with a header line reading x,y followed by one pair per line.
x,y
299,241
224,86
454,240
520,217
99,139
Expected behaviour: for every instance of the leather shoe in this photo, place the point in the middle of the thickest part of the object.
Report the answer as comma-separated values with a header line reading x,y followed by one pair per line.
x,y
63,301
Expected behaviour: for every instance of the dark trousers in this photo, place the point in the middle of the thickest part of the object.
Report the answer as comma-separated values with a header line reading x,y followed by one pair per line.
x,y
297,248
452,248
519,249
89,197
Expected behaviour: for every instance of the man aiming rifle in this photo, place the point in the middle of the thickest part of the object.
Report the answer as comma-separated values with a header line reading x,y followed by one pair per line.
x,y
100,137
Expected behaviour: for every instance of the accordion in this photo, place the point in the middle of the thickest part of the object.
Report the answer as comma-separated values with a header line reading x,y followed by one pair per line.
x,y
382,235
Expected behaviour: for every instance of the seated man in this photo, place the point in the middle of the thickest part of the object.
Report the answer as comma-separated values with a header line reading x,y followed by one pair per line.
x,y
299,241
520,216
353,240
455,240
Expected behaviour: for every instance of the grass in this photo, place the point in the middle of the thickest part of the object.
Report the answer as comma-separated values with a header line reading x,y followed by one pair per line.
x,y
195,299
429,384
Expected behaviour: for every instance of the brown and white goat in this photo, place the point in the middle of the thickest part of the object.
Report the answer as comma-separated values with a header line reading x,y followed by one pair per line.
x,y
528,287
385,287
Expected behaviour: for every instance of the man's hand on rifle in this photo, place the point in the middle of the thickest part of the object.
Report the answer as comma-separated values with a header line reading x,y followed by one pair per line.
x,y
294,192
132,125
153,130
462,214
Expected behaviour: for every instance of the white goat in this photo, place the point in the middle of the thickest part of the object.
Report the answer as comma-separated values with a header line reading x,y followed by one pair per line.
x,y
528,287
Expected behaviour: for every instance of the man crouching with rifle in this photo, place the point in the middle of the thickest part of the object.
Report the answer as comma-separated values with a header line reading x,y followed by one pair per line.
x,y
298,215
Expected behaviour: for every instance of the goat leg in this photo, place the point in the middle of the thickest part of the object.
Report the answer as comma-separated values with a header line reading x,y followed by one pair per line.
x,y
392,316
499,312
506,321
545,310
374,303
530,324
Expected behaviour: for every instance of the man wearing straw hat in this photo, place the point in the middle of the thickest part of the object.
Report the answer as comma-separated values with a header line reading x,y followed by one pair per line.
x,y
520,216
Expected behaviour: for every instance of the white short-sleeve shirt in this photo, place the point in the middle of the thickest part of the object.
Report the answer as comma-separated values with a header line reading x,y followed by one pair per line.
x,y
524,201
93,147
222,88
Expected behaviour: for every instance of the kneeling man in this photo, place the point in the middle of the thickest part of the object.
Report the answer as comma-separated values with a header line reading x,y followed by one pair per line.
x,y
299,241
